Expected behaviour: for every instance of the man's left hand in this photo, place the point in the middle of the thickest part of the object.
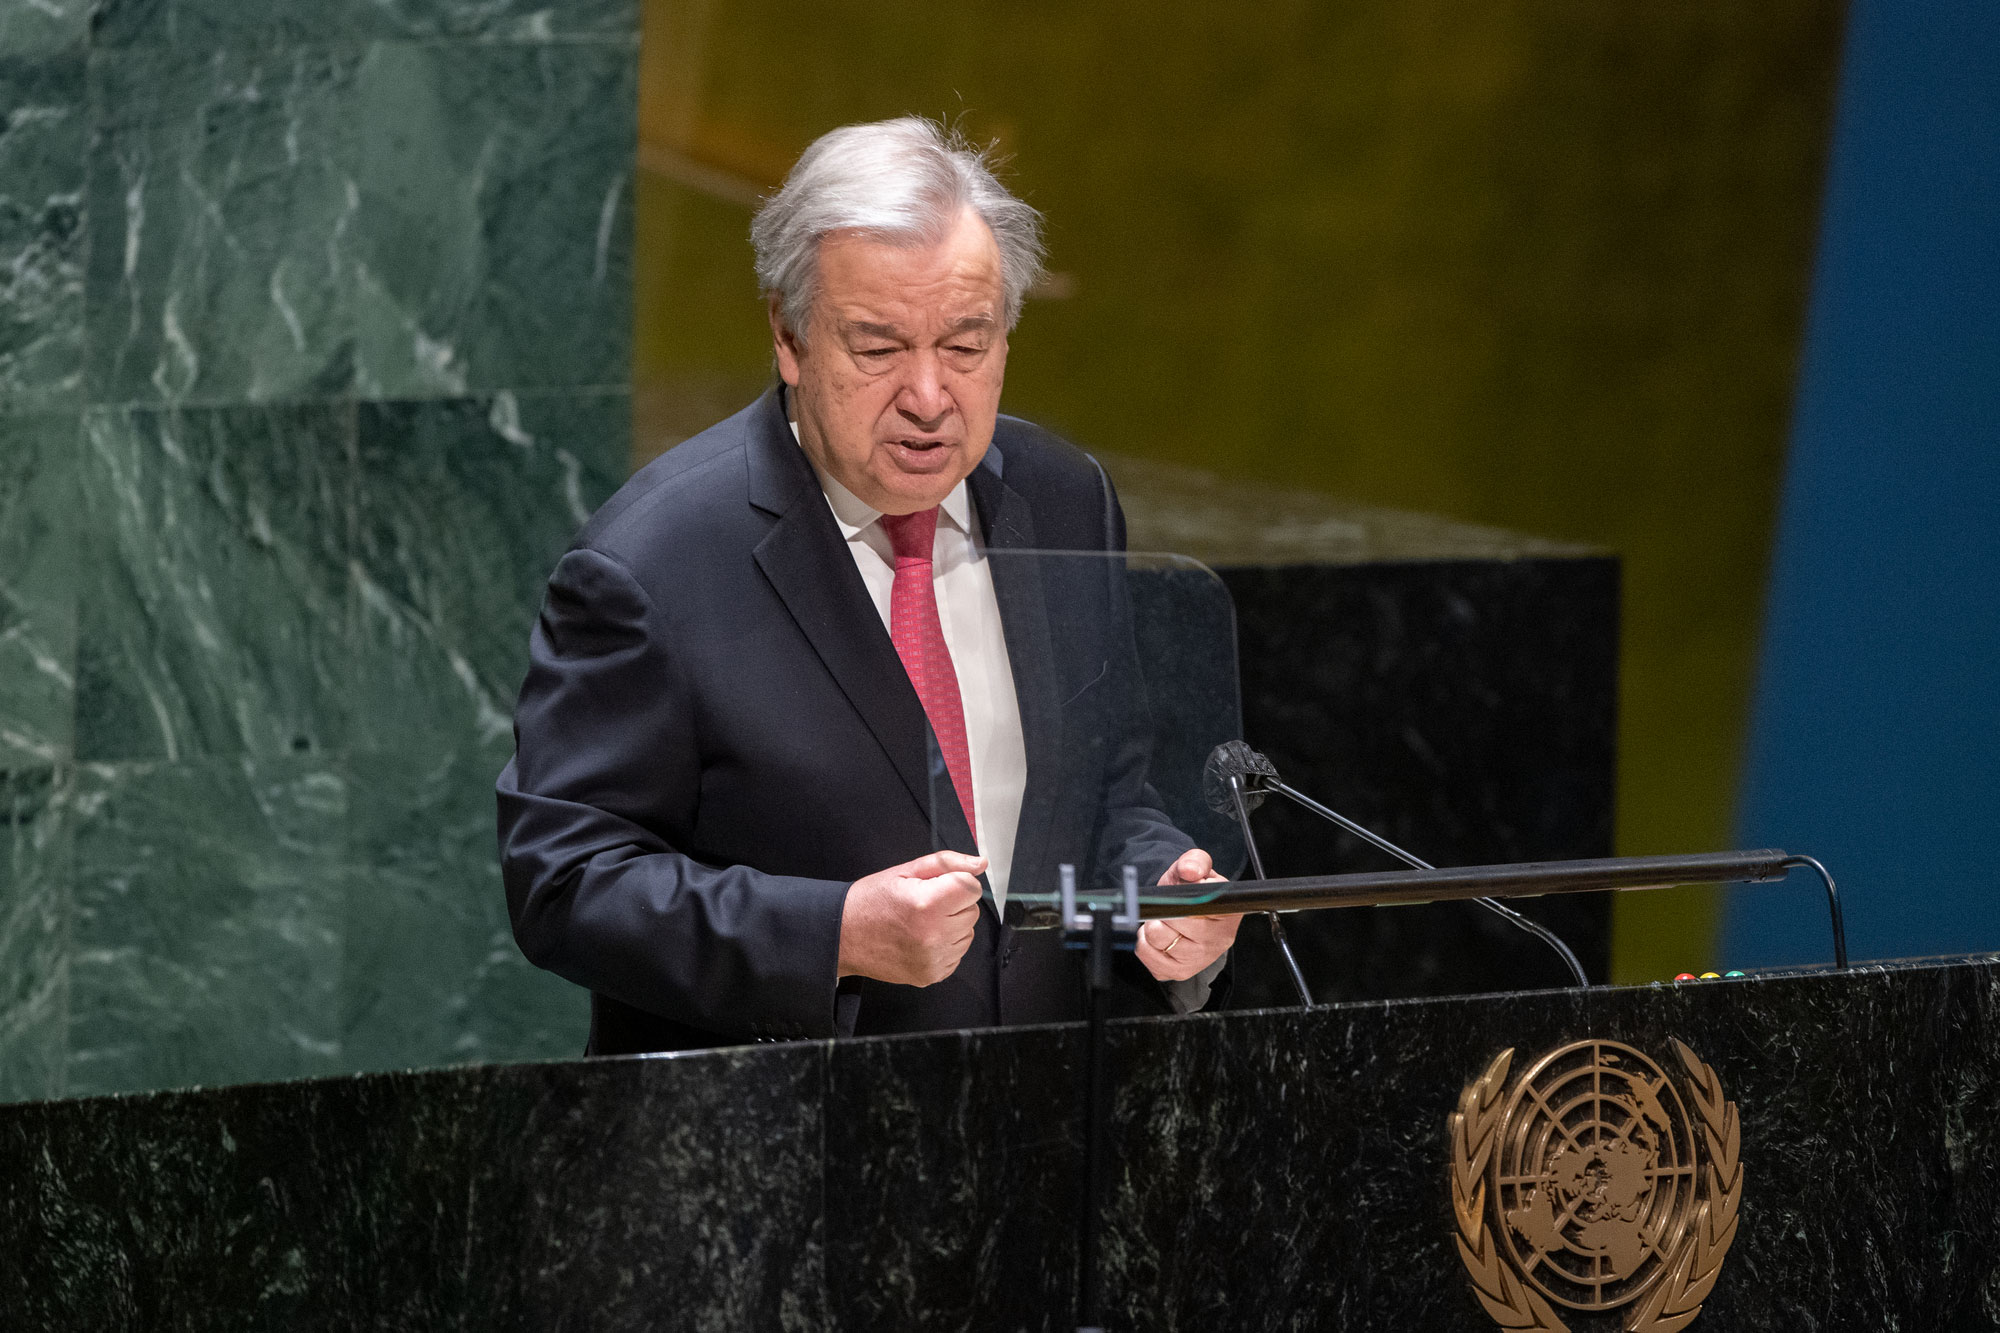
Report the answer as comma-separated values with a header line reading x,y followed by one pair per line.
x,y
1176,950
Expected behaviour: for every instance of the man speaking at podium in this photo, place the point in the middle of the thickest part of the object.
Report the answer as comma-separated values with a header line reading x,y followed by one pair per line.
x,y
779,670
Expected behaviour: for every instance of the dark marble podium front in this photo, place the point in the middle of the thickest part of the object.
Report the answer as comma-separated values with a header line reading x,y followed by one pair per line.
x,y
1273,1170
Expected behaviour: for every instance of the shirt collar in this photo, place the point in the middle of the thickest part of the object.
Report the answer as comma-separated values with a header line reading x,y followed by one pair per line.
x,y
854,514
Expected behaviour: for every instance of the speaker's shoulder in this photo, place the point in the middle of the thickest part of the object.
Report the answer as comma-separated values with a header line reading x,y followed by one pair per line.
x,y
1041,464
681,496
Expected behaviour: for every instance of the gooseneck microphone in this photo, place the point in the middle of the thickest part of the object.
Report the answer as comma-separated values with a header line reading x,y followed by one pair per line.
x,y
1237,778
1224,788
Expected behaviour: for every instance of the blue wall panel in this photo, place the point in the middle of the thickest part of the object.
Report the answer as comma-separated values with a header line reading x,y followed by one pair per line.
x,y
1876,736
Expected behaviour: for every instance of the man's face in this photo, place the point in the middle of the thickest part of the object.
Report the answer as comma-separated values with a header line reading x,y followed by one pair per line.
x,y
898,382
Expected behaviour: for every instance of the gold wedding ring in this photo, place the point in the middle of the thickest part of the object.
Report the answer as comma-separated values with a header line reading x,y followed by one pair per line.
x,y
1171,943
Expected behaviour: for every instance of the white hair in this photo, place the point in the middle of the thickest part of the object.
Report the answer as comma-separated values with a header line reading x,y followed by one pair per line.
x,y
905,181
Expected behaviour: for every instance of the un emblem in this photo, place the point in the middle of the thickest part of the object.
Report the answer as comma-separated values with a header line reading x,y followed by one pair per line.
x,y
1588,1185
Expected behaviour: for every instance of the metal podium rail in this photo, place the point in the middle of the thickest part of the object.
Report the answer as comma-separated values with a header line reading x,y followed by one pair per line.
x,y
1527,879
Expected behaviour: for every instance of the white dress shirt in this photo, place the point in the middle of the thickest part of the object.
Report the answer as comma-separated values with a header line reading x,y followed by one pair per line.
x,y
969,611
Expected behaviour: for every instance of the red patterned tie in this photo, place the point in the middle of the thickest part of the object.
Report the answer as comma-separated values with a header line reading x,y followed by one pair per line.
x,y
919,638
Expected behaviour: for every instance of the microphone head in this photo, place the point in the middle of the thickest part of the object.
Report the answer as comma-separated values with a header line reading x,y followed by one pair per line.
x,y
1235,759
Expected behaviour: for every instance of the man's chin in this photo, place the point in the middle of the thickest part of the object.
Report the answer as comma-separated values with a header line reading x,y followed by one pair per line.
x,y
918,479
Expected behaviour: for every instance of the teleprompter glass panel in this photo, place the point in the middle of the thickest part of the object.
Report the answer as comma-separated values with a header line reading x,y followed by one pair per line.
x,y
1122,669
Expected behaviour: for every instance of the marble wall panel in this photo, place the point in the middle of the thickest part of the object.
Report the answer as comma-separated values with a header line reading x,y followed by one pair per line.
x,y
206,922
197,23
43,27
214,616
506,19
38,505
43,132
282,657
464,507
430,972
34,931
274,222
492,251
218,207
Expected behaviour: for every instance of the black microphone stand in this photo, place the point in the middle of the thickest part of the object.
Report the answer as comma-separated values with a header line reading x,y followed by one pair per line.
x,y
1100,930
1493,905
1278,935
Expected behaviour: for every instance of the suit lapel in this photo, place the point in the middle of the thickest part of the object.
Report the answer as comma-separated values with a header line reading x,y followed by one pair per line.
x,y
1018,587
808,564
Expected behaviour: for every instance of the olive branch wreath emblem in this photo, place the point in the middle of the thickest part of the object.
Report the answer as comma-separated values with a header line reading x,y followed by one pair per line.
x,y
1676,1298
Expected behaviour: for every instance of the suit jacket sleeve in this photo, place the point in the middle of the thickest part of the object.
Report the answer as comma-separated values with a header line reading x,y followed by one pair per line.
x,y
606,766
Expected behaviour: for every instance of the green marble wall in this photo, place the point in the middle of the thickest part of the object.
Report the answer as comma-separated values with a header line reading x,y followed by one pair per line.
x,y
314,339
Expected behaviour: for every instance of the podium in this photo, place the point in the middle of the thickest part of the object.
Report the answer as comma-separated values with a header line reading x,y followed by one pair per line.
x,y
1269,1169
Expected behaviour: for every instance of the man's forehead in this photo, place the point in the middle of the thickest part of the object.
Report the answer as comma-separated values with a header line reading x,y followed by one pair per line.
x,y
878,327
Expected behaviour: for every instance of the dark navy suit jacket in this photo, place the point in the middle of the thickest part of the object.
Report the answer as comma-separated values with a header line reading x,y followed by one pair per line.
x,y
716,737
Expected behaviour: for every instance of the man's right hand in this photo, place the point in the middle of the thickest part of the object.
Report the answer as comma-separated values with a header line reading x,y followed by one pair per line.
x,y
911,923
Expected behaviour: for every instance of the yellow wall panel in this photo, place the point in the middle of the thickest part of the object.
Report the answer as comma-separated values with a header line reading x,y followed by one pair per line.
x,y
1539,264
